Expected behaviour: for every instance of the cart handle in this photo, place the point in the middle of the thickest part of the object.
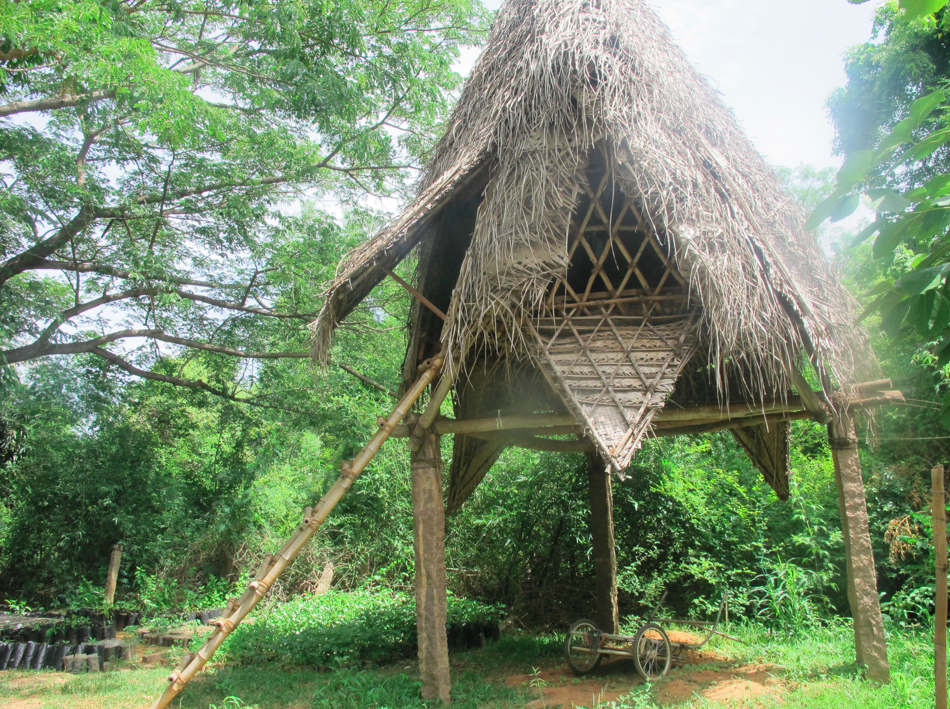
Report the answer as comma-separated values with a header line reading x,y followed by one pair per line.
x,y
656,609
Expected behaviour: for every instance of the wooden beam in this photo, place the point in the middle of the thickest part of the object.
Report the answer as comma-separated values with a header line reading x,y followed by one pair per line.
x,y
712,427
810,398
666,422
412,291
534,443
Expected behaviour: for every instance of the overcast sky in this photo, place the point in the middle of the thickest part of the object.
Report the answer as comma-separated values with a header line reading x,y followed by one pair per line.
x,y
774,61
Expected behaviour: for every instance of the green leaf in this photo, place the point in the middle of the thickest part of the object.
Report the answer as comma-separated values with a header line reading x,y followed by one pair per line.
x,y
855,168
892,234
893,320
845,208
915,9
924,106
918,316
941,317
886,200
945,411
869,230
925,147
884,286
902,133
824,210
873,307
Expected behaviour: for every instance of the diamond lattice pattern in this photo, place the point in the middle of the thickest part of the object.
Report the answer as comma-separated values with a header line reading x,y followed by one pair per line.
x,y
617,328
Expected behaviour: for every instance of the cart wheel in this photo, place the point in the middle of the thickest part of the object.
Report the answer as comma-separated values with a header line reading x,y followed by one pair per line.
x,y
581,647
652,652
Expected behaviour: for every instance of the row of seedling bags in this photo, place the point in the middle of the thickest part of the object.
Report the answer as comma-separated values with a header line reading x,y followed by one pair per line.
x,y
38,656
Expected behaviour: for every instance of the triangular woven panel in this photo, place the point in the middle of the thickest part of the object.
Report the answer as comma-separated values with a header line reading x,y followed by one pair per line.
x,y
615,371
768,448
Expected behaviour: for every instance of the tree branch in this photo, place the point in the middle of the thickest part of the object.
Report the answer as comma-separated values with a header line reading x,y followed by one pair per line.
x,y
76,267
178,381
53,102
38,252
42,348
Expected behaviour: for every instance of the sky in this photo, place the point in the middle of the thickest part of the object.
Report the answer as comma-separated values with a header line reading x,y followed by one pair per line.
x,y
774,61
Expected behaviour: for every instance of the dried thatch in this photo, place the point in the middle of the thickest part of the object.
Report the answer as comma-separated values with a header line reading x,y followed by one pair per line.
x,y
557,78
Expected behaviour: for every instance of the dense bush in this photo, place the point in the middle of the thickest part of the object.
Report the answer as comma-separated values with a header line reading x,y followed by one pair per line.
x,y
342,629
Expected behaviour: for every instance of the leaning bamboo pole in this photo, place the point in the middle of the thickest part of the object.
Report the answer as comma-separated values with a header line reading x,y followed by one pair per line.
x,y
272,567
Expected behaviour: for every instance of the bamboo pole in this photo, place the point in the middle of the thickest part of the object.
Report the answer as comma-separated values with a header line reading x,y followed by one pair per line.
x,y
940,622
812,400
666,422
273,566
414,293
112,577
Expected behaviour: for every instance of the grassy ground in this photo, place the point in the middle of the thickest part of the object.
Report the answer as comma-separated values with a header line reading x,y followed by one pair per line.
x,y
805,671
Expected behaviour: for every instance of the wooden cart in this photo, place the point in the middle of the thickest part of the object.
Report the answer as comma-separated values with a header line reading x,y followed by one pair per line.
x,y
650,648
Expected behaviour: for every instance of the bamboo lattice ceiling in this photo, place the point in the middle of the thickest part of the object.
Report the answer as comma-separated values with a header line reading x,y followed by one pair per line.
x,y
617,328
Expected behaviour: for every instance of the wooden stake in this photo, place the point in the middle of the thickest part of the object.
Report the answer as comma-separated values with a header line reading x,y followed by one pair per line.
x,y
112,577
940,621
272,567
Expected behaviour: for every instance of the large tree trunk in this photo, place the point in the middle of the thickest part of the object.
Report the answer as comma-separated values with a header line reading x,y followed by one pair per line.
x,y
602,532
429,532
869,641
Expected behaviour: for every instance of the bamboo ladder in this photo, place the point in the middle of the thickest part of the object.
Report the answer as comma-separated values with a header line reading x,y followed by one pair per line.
x,y
273,565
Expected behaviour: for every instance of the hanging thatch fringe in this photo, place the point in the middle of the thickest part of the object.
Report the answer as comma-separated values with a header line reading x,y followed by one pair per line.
x,y
557,76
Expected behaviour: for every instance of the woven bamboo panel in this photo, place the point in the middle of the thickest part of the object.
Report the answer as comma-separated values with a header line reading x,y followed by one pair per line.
x,y
769,450
615,378
617,327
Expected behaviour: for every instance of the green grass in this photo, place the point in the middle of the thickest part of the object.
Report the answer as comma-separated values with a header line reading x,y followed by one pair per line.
x,y
813,666
818,670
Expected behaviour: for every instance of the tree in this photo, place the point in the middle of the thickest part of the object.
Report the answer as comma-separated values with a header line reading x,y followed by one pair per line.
x,y
150,152
903,177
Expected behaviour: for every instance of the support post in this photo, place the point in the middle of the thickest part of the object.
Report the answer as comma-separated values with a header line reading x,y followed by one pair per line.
x,y
602,533
112,577
428,512
940,620
870,646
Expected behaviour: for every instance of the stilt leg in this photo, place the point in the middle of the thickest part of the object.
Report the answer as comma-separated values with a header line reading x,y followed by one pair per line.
x,y
605,552
429,529
869,640
274,565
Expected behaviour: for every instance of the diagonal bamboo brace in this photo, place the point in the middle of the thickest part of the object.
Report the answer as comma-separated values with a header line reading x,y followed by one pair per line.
x,y
273,566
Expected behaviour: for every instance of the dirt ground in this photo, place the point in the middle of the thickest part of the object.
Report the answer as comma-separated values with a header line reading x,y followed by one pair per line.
x,y
694,674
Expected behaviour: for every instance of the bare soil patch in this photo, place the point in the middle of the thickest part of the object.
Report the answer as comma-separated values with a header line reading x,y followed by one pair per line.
x,y
702,673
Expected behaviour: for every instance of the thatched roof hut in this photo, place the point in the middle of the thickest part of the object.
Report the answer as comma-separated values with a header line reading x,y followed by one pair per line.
x,y
589,171
601,252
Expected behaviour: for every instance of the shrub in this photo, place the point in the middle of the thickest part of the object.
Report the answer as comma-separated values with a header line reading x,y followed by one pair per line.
x,y
342,629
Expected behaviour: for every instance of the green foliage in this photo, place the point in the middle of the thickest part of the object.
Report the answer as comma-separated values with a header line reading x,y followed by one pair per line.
x,y
342,629
149,154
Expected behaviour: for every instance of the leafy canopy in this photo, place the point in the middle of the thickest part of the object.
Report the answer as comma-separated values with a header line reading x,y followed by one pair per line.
x,y
897,165
149,152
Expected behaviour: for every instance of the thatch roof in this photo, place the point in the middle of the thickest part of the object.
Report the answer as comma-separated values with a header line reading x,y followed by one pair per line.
x,y
556,77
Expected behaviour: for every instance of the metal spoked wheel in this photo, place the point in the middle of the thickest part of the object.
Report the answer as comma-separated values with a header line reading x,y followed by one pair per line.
x,y
581,647
652,652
